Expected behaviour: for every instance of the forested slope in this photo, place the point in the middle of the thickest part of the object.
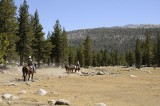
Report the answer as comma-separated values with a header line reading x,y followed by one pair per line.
x,y
114,38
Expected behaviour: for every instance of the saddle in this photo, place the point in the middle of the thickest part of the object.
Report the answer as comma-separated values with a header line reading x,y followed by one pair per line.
x,y
32,68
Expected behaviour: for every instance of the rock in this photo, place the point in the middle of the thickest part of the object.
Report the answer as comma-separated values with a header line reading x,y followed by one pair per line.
x,y
101,104
100,73
62,102
28,84
51,102
6,96
79,73
22,92
133,76
12,84
41,92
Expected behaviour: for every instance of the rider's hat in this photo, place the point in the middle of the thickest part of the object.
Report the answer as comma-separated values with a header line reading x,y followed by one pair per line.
x,y
29,57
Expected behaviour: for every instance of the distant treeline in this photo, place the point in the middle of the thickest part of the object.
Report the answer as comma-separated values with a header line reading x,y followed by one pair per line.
x,y
22,36
115,38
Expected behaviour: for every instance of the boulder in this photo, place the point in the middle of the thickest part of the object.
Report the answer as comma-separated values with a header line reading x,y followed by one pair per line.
x,y
101,104
7,96
100,73
62,102
12,84
133,76
41,92
22,92
51,102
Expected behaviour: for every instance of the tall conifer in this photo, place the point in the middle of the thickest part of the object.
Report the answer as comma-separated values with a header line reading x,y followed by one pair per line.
x,y
56,40
88,51
138,54
24,46
8,27
38,39
148,48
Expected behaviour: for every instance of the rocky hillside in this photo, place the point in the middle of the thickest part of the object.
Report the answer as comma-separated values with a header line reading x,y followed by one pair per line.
x,y
120,38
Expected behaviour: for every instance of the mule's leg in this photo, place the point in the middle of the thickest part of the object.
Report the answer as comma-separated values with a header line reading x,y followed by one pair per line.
x,y
32,76
72,70
24,73
28,76
24,78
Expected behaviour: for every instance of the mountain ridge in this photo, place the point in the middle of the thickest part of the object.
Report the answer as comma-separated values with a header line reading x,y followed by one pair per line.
x,y
113,38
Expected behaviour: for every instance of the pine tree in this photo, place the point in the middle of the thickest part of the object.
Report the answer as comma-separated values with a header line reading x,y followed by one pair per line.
x,y
129,58
104,58
112,59
122,60
52,40
94,59
56,40
138,54
72,55
8,27
24,45
3,47
64,46
80,54
99,59
143,53
116,57
148,48
46,51
88,46
109,59
49,35
157,50
38,39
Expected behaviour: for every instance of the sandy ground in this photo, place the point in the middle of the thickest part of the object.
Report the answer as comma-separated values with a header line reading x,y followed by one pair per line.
x,y
115,88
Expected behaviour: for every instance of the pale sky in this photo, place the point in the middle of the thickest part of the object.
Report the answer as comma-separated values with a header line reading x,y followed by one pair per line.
x,y
81,14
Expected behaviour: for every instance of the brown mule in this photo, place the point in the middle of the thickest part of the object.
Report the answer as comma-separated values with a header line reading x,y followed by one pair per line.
x,y
26,70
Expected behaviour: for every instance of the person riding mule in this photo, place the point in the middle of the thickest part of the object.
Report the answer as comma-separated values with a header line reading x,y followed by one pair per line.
x,y
77,66
30,64
28,69
70,68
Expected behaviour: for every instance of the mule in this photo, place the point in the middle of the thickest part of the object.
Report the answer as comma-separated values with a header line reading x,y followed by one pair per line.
x,y
77,68
70,68
26,70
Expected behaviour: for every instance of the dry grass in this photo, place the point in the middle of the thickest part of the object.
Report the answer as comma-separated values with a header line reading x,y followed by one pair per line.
x,y
114,89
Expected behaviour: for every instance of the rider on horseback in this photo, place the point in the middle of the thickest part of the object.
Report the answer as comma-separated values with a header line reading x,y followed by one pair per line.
x,y
30,64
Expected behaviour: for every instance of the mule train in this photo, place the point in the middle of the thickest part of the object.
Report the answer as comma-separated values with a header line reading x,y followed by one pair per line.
x,y
71,68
